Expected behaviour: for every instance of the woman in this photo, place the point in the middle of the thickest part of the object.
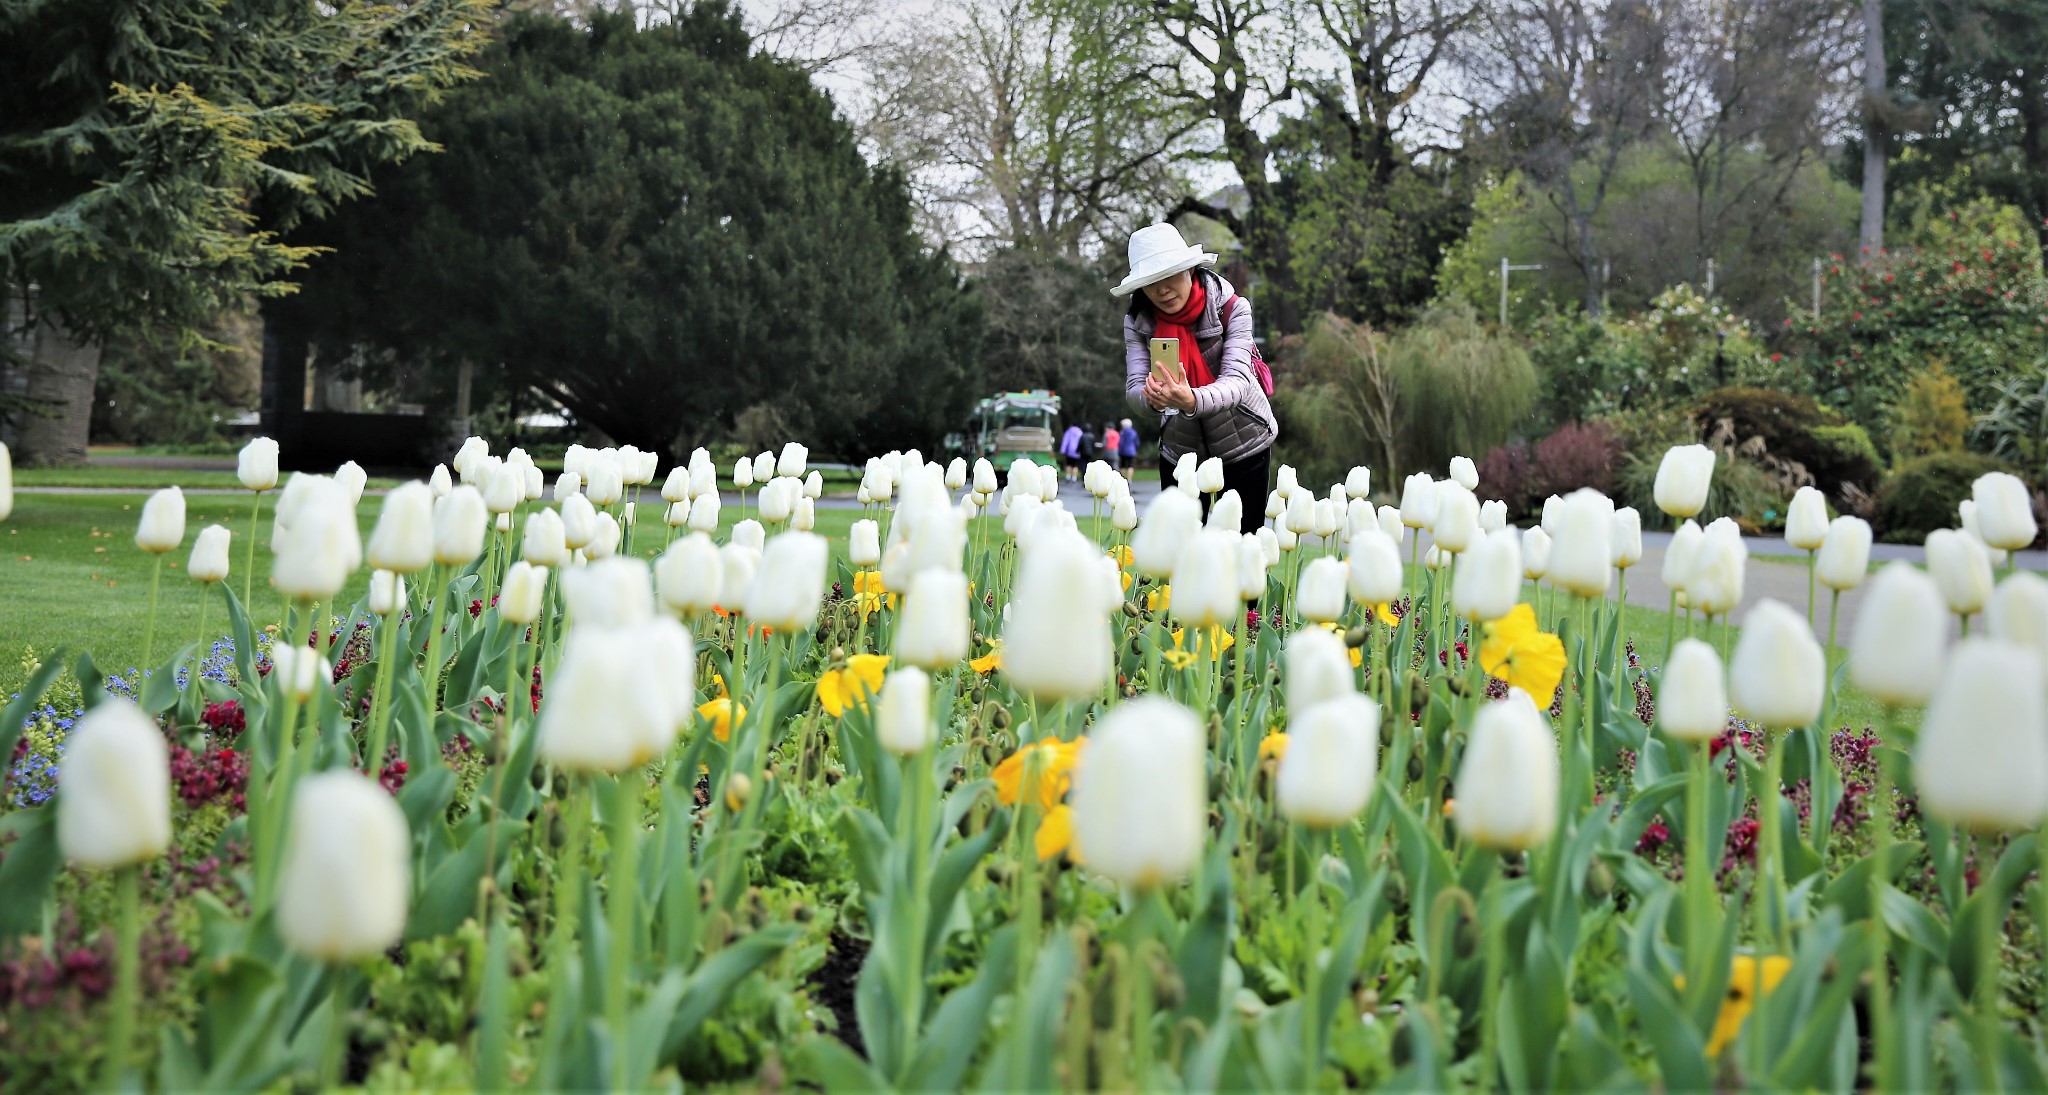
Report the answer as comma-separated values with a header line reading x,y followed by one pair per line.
x,y
1218,409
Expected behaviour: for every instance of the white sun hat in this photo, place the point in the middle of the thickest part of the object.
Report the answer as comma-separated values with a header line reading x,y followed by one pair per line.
x,y
1157,253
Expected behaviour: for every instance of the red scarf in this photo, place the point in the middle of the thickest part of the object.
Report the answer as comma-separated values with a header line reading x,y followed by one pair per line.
x,y
1180,325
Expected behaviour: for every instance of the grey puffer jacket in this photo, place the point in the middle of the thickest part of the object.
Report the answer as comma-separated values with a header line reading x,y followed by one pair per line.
x,y
1232,418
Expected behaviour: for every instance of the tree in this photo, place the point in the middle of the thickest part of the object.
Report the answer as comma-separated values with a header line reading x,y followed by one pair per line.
x,y
1876,130
690,234
155,153
1052,324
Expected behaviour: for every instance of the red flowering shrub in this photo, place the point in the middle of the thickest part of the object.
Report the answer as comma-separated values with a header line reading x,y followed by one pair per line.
x,y
1579,454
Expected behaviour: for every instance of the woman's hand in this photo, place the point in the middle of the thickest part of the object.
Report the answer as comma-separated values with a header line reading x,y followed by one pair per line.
x,y
1167,394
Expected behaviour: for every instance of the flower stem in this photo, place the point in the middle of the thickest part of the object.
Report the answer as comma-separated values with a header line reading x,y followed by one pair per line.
x,y
1699,877
127,973
1496,960
1138,983
1990,925
156,577
434,608
623,906
1312,980
1767,870
380,718
562,944
249,561
336,1047
1880,950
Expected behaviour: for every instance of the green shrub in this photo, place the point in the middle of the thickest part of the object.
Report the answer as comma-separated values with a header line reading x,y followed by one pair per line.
x,y
1921,494
1931,416
2016,430
1852,457
1794,428
1742,489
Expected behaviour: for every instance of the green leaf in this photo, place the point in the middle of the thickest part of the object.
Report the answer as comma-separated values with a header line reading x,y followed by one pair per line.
x,y
827,1062
1205,942
1909,919
714,978
1849,891
239,630
946,1047
92,684
425,797
1036,1021
948,876
14,717
1674,1042
450,894
29,867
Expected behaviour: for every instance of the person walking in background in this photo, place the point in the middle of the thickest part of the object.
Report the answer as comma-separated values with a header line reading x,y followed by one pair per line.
x,y
1127,449
1070,452
1109,447
1214,403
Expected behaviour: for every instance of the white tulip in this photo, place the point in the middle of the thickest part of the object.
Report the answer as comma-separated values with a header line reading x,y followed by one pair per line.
x,y
1276,504
504,489
1359,517
1286,480
1226,513
1898,643
2005,511
676,488
298,671
814,486
1628,538
1358,482
519,600
776,502
387,593
1553,508
1269,544
1680,553
933,629
687,576
1464,473
1326,776
1582,544
603,713
750,534
1967,511
403,541
256,464
1962,568
320,546
1209,475
2018,613
704,513
1205,580
1436,558
985,476
1251,568
1844,554
345,876
1171,520
1317,667
1418,501
1535,554
1778,676
1493,515
543,541
1683,479
791,582
476,448
1300,518
1319,593
114,804
1714,583
1507,784
6,482
605,483
1982,759
1140,808
737,564
460,521
1326,518
793,460
209,562
1286,538
1488,581
1392,525
903,713
162,527
1374,573
567,484
1056,640
743,473
1457,517
615,594
1806,519
1692,693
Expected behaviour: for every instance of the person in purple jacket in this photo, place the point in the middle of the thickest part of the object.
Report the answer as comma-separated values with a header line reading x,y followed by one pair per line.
x,y
1070,452
1127,449
1218,407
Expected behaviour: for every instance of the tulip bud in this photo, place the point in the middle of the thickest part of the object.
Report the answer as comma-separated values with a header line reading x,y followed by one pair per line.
x,y
345,878
1319,597
1967,511
297,670
1714,583
605,543
1418,501
1844,554
1779,674
1436,558
1226,513
1056,641
1553,508
1464,473
1982,759
1276,504
1300,518
6,482
1680,553
1209,475
777,504
688,575
864,545
2018,613
604,713
1317,668
1457,517
1488,582
676,488
704,513
1171,520
209,562
1896,647
1326,775
2005,512
903,714
737,564
536,484
1507,784
1359,517
1806,519
764,467
256,465
1140,813
1325,518
743,473
320,546
1961,567
567,484
792,460
1493,515
791,582
1392,525
459,524
1358,482
504,489
403,541
114,804
984,476
750,534
1535,554
1628,538
1692,693
1683,479
387,593
1251,569
1582,544
609,593
1286,479
544,542
933,629
1374,574
605,482
805,517
519,600
476,448
1269,544
162,527
1205,581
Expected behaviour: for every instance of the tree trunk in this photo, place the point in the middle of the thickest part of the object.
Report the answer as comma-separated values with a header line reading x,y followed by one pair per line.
x,y
1875,135
2034,153
61,373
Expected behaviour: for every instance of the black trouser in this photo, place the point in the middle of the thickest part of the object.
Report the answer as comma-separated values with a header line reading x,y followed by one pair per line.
x,y
1247,477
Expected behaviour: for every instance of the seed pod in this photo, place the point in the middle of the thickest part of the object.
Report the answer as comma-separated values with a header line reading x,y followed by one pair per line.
x,y
1356,637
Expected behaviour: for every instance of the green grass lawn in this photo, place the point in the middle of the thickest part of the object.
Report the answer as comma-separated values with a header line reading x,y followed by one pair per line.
x,y
95,475
71,577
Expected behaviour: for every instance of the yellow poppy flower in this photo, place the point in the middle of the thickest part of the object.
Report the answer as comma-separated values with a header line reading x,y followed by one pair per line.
x,y
840,689
1215,642
1384,613
989,662
1273,746
1055,833
1528,659
869,581
1746,983
1055,761
1122,554
1159,600
722,713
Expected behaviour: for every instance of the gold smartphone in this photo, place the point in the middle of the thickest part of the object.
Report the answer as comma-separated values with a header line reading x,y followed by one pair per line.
x,y
1166,359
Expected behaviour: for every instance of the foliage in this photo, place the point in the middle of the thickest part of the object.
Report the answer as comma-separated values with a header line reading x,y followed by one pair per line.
x,y
2016,430
1812,442
1921,494
690,226
1336,399
1930,416
1972,297
1458,388
1742,488
165,391
1576,455
1050,325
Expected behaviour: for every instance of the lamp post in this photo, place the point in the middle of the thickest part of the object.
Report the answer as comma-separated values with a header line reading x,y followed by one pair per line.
x,y
1505,269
